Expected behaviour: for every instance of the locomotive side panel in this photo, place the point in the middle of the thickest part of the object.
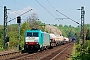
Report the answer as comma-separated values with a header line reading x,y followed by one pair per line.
x,y
46,40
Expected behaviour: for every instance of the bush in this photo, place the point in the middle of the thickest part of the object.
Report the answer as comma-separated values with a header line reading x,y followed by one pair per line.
x,y
82,52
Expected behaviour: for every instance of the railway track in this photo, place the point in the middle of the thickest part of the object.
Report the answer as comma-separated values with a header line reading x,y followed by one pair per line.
x,y
8,54
49,54
61,54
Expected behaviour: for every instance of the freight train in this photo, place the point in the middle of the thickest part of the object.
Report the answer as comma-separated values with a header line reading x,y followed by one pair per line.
x,y
35,40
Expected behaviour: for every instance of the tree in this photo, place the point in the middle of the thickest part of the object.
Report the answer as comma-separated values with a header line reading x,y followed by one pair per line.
x,y
88,35
60,25
25,26
1,32
33,20
66,26
55,25
70,26
13,35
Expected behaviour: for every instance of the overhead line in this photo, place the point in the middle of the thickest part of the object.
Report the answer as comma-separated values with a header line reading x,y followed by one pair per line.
x,y
67,17
62,13
21,5
26,12
20,15
13,18
44,8
16,12
52,6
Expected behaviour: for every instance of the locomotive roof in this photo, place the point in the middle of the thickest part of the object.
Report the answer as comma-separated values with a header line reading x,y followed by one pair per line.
x,y
33,31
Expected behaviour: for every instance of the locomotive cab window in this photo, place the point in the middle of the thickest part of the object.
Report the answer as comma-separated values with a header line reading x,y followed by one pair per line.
x,y
29,34
32,34
35,34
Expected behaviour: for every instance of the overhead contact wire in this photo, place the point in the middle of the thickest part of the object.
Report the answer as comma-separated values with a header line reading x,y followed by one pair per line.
x,y
45,8
67,16
52,6
20,15
62,13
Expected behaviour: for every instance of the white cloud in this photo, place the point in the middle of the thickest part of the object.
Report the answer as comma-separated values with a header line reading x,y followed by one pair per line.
x,y
19,12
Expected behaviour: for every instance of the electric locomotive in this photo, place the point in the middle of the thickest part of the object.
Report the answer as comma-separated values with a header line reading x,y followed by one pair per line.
x,y
36,40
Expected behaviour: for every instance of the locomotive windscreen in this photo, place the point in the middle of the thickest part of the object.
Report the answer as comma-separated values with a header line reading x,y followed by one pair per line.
x,y
32,34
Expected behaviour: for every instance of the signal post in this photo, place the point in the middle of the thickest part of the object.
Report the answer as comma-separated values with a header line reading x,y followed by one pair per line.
x,y
19,21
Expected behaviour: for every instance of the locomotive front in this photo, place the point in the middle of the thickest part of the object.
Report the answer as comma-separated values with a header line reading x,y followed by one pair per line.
x,y
31,40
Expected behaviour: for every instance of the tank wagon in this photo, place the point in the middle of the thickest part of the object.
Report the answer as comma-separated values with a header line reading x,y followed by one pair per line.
x,y
36,40
52,40
66,40
56,40
59,40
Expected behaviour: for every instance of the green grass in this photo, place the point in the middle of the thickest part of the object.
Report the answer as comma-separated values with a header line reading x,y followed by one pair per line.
x,y
1,49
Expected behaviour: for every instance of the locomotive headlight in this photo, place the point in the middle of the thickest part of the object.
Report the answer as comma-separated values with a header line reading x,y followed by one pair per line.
x,y
26,42
37,42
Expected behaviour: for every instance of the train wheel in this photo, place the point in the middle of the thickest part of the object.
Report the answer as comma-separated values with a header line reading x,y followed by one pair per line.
x,y
41,49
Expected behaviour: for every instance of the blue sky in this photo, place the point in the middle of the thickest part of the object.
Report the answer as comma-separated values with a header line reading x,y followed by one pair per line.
x,y
67,7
